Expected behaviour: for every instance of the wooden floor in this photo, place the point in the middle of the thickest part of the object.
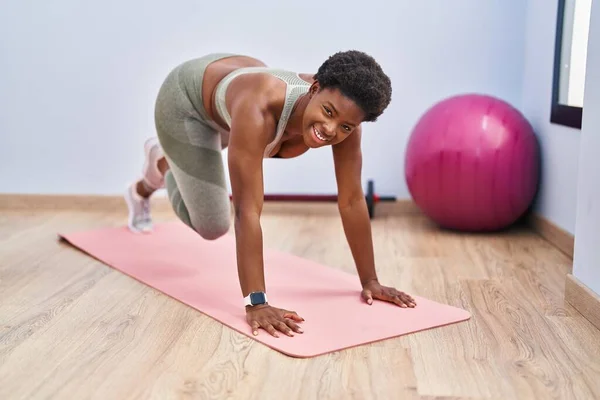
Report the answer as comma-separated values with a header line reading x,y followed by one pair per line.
x,y
73,328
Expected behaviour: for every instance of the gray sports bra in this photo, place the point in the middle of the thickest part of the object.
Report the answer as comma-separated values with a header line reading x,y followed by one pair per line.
x,y
296,87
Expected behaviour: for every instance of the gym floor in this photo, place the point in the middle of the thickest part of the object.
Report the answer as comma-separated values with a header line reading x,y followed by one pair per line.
x,y
73,328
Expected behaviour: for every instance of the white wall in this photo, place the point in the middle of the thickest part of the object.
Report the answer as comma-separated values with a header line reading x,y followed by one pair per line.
x,y
559,145
586,260
577,61
78,79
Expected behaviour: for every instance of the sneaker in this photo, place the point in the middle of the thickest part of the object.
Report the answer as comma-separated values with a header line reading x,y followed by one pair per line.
x,y
140,219
150,174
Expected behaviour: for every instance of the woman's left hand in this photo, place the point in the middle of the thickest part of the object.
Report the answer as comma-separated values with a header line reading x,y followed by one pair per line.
x,y
374,290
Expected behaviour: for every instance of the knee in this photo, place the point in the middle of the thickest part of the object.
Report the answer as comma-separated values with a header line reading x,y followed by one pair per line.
x,y
212,229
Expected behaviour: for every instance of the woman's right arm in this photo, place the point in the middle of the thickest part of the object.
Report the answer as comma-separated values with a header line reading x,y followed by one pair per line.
x,y
252,128
249,135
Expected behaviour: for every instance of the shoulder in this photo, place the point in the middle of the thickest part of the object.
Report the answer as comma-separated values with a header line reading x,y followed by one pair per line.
x,y
258,92
254,108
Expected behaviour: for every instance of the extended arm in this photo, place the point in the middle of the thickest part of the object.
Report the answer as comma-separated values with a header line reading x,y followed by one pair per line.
x,y
353,206
249,135
357,224
252,127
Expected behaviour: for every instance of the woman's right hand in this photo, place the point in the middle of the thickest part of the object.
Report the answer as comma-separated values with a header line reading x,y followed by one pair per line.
x,y
272,320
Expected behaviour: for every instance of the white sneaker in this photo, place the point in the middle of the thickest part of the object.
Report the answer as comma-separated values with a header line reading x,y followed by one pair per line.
x,y
140,219
150,173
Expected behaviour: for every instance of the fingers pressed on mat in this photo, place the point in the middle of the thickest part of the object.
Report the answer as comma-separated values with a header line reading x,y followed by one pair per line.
x,y
283,327
270,328
255,327
295,327
293,315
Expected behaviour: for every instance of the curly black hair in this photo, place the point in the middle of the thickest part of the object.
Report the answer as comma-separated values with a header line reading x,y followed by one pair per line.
x,y
359,77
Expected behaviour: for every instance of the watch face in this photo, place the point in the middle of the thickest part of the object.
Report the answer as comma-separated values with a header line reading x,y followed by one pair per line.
x,y
257,298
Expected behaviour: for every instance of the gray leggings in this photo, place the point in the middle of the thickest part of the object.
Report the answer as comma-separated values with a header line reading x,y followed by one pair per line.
x,y
192,144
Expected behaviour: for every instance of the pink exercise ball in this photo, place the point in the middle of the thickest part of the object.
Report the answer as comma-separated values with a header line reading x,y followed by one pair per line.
x,y
472,163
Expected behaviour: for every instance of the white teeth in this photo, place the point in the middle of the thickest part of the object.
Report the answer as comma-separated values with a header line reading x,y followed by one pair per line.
x,y
319,135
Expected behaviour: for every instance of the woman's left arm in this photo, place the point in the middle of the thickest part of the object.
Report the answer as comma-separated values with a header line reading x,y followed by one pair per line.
x,y
353,210
352,205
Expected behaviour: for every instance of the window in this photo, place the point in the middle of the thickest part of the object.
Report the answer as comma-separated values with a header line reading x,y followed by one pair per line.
x,y
570,55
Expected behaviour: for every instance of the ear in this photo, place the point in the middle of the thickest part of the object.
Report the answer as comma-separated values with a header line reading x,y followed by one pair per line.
x,y
314,88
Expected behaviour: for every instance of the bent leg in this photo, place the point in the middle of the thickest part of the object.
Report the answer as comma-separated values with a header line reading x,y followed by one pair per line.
x,y
195,181
191,144
200,204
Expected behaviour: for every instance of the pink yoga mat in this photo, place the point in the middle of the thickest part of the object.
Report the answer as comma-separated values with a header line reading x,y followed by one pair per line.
x,y
203,274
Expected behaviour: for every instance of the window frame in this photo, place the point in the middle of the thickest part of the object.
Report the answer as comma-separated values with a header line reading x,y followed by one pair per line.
x,y
562,114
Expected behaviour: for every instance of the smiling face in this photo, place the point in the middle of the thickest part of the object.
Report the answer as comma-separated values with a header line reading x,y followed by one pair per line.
x,y
329,118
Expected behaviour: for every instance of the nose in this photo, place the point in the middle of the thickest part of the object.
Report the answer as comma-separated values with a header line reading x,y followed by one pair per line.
x,y
329,131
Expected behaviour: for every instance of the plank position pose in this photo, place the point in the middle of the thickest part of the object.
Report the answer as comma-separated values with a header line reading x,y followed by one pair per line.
x,y
233,101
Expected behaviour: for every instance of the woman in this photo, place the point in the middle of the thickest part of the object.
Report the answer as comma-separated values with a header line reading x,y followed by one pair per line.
x,y
233,101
